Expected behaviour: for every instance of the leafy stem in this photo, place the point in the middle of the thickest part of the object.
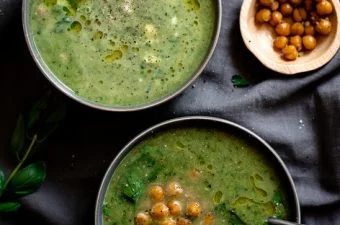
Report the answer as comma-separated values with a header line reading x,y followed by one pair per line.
x,y
30,134
28,151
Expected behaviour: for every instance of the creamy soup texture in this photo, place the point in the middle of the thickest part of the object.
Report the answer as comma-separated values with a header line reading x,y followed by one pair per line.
x,y
123,52
226,177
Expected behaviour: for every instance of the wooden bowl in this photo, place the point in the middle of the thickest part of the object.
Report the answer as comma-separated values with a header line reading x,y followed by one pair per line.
x,y
259,40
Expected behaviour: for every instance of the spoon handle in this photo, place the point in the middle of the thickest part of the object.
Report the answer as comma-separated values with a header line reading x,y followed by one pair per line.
x,y
274,221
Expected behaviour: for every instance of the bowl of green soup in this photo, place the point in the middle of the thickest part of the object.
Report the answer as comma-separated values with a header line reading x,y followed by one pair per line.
x,y
121,55
199,171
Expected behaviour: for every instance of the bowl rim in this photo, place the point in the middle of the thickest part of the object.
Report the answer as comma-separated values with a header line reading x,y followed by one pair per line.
x,y
43,67
172,122
289,68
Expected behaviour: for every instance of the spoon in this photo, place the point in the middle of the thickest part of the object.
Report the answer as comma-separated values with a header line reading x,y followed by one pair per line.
x,y
236,219
274,221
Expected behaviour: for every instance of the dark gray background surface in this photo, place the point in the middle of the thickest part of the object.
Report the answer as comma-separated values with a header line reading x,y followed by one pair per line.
x,y
299,116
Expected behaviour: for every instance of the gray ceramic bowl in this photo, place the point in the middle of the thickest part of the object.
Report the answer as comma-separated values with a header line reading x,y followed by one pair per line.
x,y
207,122
66,90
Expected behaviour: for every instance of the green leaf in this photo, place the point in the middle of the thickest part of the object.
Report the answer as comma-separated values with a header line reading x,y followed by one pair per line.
x,y
28,179
225,212
46,132
135,182
6,207
221,209
2,180
152,176
239,81
35,112
58,114
45,116
280,211
133,187
149,156
277,198
235,219
106,211
18,136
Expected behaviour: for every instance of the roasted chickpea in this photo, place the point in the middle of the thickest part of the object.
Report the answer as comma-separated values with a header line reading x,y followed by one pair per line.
x,y
324,8
183,221
275,6
263,16
296,41
168,222
195,173
143,219
283,29
290,52
266,2
309,42
159,211
309,29
286,9
323,27
175,207
156,193
299,14
280,42
193,209
296,2
173,189
297,29
276,18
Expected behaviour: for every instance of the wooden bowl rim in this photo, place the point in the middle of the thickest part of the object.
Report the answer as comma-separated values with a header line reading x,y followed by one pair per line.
x,y
288,68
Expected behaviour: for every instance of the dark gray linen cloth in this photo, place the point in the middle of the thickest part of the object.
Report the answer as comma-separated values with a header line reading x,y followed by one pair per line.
x,y
299,116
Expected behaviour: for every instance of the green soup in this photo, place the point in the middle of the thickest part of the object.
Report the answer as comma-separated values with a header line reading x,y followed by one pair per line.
x,y
226,176
123,52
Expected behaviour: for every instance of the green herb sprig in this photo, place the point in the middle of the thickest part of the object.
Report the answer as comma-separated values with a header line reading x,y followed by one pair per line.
x,y
239,81
29,136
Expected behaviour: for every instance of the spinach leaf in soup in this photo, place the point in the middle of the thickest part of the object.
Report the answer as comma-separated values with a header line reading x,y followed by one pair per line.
x,y
134,187
136,181
229,215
